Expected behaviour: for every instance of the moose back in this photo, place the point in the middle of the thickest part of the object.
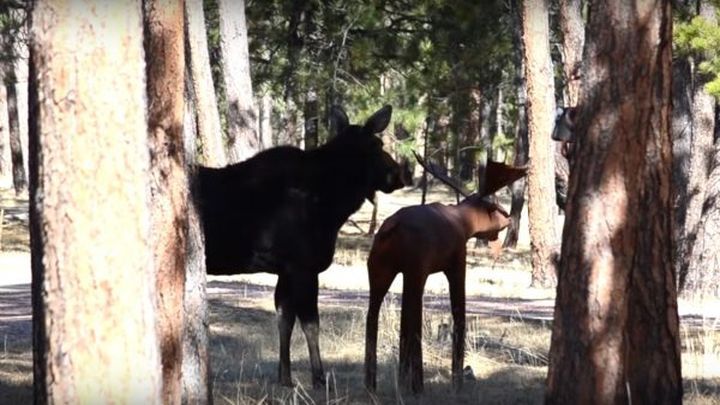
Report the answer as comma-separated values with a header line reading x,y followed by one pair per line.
x,y
281,210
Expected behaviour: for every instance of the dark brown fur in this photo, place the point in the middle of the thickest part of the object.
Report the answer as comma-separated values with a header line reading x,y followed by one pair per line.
x,y
280,212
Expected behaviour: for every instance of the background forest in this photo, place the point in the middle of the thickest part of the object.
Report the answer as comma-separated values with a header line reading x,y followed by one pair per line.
x,y
469,81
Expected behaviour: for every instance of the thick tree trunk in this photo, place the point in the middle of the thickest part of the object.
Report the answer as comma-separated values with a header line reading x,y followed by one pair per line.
x,y
243,140
541,106
615,332
165,69
5,158
207,114
93,318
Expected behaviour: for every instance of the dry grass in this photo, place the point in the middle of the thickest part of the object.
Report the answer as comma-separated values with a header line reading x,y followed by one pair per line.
x,y
507,353
507,357
14,235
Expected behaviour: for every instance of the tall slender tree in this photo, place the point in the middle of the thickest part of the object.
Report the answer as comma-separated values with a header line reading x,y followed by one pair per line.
x,y
165,67
517,189
196,381
615,332
243,141
5,159
94,336
540,112
204,100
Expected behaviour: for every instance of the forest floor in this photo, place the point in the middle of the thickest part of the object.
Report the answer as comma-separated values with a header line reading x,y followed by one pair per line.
x,y
508,333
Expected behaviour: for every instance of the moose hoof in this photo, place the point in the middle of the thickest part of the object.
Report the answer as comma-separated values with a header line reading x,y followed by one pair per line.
x,y
286,381
319,381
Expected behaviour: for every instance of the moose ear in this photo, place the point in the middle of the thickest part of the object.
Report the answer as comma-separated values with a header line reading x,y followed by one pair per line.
x,y
380,120
339,118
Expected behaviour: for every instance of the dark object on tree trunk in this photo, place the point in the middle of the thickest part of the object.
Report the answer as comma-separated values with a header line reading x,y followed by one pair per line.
x,y
280,212
564,132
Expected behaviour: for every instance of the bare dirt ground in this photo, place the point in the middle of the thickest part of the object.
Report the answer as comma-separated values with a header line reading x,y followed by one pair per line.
x,y
507,342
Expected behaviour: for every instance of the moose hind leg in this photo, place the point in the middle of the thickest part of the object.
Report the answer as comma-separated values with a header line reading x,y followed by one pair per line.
x,y
286,321
456,280
305,297
411,367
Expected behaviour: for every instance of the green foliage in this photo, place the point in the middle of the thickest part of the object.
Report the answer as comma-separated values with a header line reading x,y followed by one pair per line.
x,y
13,18
340,49
701,37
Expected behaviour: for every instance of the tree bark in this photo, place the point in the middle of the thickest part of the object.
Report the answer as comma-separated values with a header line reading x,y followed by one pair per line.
x,y
615,332
243,141
469,127
703,274
165,69
701,151
207,114
682,137
21,89
5,158
541,106
573,31
94,335
517,189
266,136
312,120
196,381
16,151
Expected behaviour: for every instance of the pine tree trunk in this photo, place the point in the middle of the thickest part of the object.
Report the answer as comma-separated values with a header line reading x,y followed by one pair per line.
x,y
573,31
701,151
682,138
16,154
470,130
541,107
312,120
196,381
207,114
5,159
165,69
616,328
21,89
266,110
243,140
94,336
517,189
703,274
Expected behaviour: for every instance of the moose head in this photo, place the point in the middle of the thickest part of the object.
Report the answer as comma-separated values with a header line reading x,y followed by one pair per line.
x,y
381,170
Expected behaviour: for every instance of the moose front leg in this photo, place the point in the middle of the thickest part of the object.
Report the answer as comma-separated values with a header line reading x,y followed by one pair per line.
x,y
305,297
411,367
286,321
